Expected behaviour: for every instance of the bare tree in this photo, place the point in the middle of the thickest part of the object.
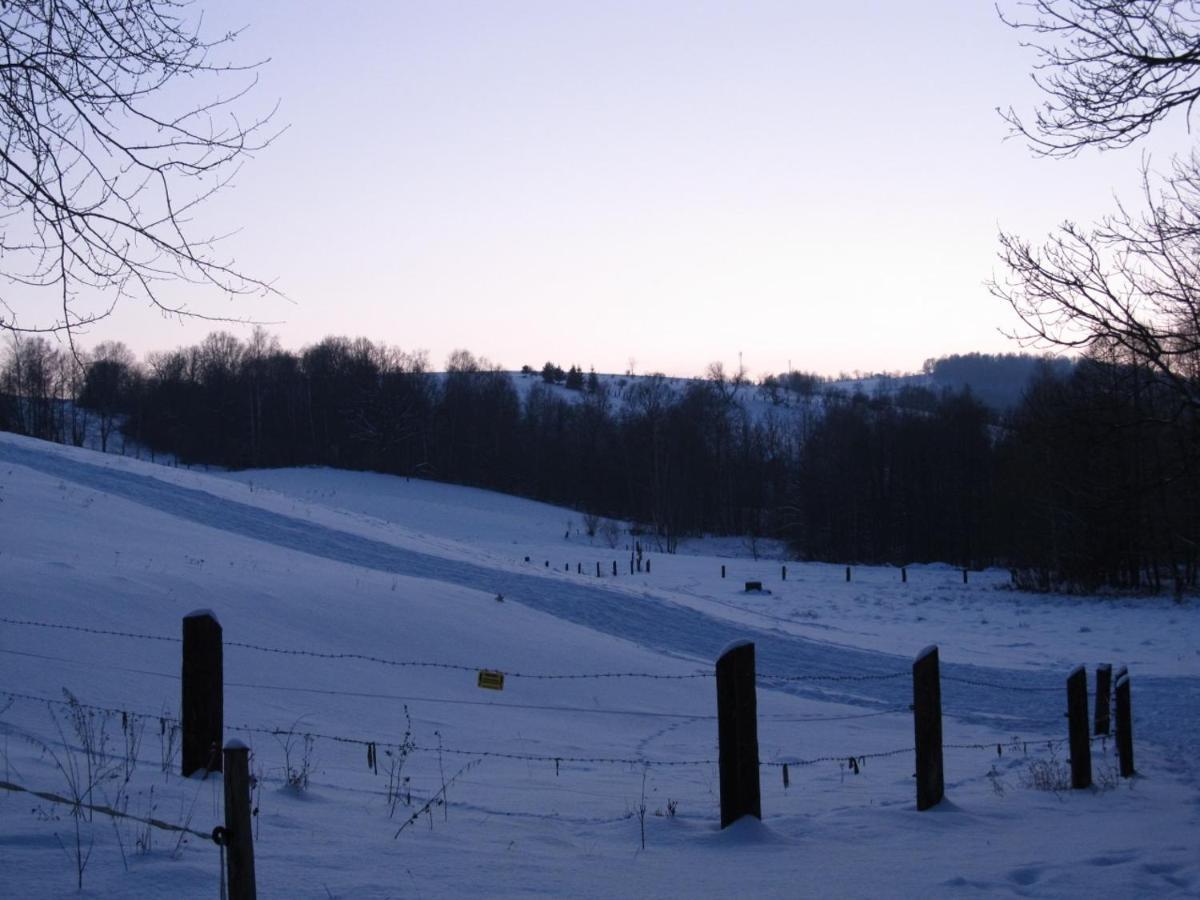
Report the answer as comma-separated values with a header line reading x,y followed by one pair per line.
x,y
1128,286
105,156
1110,70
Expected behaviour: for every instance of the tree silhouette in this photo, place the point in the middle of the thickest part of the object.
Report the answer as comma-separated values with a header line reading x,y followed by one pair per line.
x,y
104,157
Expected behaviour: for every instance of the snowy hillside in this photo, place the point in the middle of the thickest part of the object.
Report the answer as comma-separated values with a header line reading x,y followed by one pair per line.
x,y
545,779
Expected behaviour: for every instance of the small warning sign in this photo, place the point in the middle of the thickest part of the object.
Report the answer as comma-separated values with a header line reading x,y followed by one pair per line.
x,y
491,679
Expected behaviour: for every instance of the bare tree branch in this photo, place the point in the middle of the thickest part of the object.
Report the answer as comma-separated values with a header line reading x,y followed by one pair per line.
x,y
103,157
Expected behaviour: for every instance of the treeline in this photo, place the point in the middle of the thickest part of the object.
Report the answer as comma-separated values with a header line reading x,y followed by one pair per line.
x,y
1091,480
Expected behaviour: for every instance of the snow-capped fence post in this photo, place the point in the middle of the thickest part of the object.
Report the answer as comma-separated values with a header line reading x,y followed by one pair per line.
x,y
1124,724
737,733
1103,697
202,699
927,726
1077,729
237,838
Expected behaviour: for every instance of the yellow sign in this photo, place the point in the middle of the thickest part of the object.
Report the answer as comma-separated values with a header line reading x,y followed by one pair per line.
x,y
491,679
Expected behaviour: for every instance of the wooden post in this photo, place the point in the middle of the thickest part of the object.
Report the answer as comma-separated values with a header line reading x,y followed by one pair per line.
x,y
202,704
722,571
847,573
964,576
927,725
597,569
1077,729
1124,726
578,568
238,837
647,566
1103,697
737,732
785,573
614,567
631,565
566,567
903,575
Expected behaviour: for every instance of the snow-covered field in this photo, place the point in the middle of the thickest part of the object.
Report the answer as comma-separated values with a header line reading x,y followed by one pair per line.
x,y
546,778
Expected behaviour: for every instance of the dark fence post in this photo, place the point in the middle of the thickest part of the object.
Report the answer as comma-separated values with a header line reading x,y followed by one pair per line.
x,y
964,576
647,566
614,567
1124,726
903,575
784,573
1077,728
202,704
737,732
927,724
1103,697
722,571
847,573
238,837
597,569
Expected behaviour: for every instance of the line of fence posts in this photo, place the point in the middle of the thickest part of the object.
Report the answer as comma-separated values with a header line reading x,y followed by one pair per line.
x,y
202,702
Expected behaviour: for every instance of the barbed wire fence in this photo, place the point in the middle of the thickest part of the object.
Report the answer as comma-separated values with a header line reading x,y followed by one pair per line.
x,y
423,801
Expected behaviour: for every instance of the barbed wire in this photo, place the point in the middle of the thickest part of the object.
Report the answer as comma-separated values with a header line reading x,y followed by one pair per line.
x,y
975,682
86,630
540,676
104,810
457,751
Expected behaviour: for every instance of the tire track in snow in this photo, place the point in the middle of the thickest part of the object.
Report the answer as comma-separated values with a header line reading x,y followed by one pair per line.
x,y
1164,707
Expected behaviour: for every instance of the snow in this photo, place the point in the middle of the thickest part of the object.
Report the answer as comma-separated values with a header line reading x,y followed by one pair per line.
x,y
734,645
356,565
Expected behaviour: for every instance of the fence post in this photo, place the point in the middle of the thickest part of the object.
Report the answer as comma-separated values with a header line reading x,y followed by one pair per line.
x,y
964,576
927,725
597,569
238,836
614,567
737,733
1077,728
203,694
647,566
847,573
784,573
1103,697
1124,725
903,575
722,571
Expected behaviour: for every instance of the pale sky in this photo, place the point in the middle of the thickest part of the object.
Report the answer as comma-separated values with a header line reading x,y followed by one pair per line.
x,y
590,182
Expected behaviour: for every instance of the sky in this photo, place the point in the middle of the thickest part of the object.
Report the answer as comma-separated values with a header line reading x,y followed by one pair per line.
x,y
660,185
